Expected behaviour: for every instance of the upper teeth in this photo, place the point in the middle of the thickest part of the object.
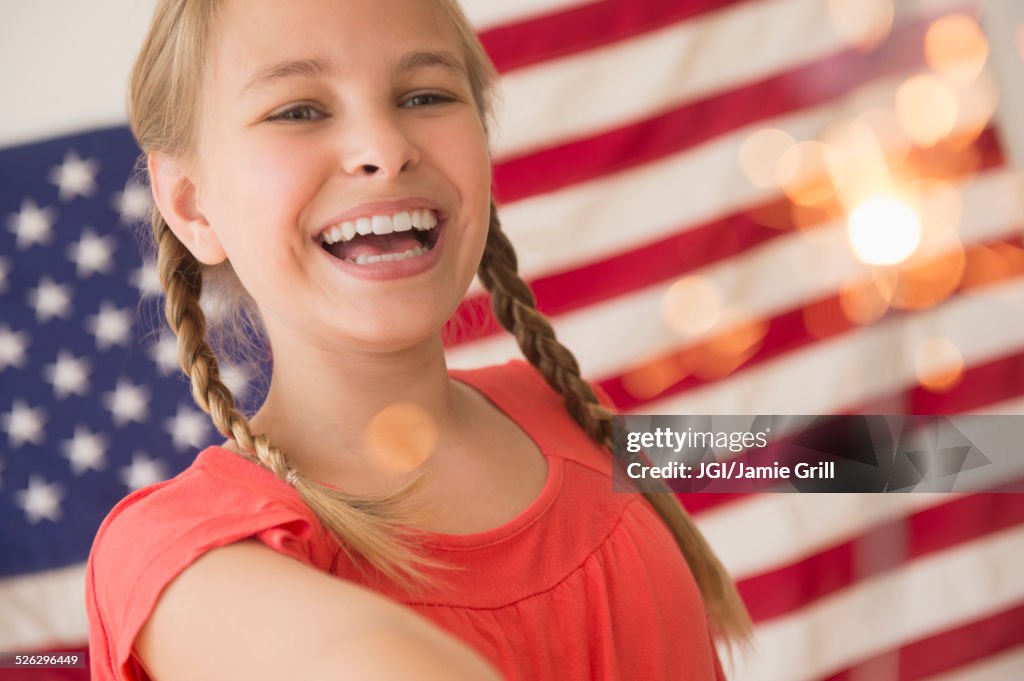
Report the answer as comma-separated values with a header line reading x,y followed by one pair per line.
x,y
420,219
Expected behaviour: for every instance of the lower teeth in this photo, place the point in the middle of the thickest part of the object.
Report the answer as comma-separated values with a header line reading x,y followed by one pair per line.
x,y
388,257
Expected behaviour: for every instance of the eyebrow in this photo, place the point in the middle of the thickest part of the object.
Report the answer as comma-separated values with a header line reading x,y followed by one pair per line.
x,y
319,67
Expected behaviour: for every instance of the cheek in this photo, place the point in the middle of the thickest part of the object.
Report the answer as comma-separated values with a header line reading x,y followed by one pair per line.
x,y
258,192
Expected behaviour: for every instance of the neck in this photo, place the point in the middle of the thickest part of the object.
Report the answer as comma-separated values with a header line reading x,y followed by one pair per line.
x,y
321,403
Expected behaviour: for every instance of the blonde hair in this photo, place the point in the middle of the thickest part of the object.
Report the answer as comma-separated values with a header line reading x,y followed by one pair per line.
x,y
164,105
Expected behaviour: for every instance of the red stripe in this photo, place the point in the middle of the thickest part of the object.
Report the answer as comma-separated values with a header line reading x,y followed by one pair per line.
x,y
964,519
696,122
945,651
688,249
770,338
589,26
982,384
995,381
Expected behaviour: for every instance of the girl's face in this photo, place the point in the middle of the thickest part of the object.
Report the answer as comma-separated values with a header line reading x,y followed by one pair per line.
x,y
320,117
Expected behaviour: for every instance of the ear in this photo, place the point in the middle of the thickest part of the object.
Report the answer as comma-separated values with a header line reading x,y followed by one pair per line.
x,y
175,196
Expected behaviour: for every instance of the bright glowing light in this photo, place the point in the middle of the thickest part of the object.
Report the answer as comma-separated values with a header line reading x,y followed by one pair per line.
x,y
883,231
692,306
956,48
760,153
938,364
863,23
927,108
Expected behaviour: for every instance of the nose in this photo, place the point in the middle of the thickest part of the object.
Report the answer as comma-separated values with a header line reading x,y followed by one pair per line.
x,y
377,145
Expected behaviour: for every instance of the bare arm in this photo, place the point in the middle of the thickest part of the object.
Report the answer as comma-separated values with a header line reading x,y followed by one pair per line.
x,y
244,611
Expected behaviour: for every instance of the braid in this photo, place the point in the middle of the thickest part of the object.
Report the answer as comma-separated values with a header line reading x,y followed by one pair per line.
x,y
515,308
367,528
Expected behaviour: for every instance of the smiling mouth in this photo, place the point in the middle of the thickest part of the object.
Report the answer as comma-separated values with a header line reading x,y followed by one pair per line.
x,y
382,240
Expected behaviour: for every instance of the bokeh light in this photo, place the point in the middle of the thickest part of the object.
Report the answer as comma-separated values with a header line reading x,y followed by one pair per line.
x,y
927,108
977,104
725,352
692,306
862,23
892,140
401,437
652,376
857,161
992,263
939,365
805,172
956,48
865,301
926,282
883,231
760,154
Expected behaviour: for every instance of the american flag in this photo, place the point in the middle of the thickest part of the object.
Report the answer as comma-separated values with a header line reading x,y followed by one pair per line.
x,y
713,201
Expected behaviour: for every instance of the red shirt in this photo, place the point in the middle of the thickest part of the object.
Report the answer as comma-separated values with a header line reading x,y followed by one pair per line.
x,y
583,584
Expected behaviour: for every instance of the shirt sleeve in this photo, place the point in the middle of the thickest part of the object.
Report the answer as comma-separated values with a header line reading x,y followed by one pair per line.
x,y
154,534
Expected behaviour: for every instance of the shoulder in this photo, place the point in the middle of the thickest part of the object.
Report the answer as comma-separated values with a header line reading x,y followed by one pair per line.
x,y
153,534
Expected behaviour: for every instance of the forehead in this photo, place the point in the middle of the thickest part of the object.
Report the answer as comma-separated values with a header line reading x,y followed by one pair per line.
x,y
352,34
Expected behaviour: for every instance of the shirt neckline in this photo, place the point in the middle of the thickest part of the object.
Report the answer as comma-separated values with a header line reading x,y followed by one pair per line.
x,y
521,414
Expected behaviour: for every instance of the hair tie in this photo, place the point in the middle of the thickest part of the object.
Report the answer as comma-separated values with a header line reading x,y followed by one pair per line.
x,y
291,477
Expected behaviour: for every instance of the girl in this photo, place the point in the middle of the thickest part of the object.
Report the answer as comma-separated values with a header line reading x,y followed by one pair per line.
x,y
324,165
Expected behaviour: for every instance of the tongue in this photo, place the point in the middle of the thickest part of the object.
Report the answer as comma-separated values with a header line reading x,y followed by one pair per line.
x,y
374,244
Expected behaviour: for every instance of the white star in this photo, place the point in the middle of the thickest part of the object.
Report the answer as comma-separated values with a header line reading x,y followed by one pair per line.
x,y
142,471
135,203
5,269
50,300
68,375
92,253
188,428
110,326
40,500
32,224
24,424
127,402
85,450
235,378
165,353
146,279
75,177
12,347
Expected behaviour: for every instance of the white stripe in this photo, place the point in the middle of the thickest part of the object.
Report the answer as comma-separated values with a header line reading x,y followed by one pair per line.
x,y
49,57
1009,407
607,87
775,276
485,14
65,64
794,526
1004,667
927,596
609,215
43,609
791,527
841,373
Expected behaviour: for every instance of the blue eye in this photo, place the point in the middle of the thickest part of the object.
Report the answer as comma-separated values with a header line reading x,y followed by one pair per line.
x,y
426,99
302,112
